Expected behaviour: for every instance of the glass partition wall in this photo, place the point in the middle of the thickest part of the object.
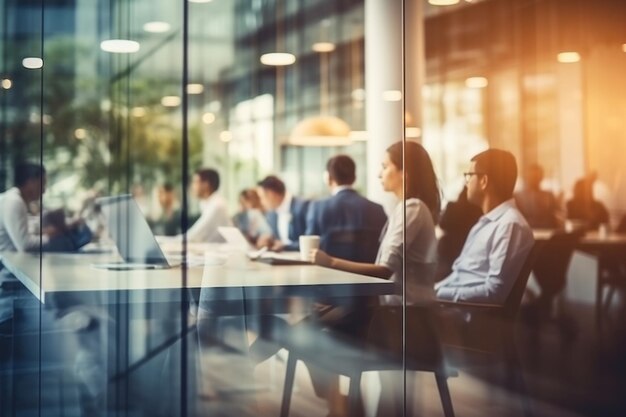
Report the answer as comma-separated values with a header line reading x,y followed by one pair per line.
x,y
122,102
159,121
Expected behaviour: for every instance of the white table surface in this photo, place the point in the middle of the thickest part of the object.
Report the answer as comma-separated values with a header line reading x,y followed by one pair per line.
x,y
237,278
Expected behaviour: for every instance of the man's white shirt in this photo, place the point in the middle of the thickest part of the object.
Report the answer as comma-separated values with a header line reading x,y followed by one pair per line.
x,y
283,218
14,231
213,214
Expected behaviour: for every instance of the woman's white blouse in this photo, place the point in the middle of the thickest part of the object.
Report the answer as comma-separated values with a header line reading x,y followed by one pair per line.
x,y
421,252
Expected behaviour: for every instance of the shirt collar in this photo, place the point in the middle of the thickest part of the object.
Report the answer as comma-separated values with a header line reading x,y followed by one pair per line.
x,y
499,210
285,206
339,188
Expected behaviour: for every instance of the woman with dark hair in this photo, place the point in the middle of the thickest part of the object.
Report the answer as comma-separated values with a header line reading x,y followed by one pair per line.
x,y
408,173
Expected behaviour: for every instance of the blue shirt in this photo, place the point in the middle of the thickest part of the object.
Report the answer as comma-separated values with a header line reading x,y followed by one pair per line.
x,y
492,257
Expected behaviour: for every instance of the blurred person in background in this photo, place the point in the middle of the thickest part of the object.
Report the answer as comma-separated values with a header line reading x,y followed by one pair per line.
x,y
539,207
286,214
584,207
213,208
250,219
167,221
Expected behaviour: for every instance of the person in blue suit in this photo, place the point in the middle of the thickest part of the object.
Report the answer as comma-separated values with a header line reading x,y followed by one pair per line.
x,y
286,214
345,210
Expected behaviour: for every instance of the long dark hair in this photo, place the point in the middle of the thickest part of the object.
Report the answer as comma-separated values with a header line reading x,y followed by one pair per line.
x,y
420,180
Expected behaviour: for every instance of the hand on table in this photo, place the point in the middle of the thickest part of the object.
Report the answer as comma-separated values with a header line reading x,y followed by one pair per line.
x,y
321,258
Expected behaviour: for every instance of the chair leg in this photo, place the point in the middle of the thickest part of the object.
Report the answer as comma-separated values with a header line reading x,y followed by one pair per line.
x,y
354,396
288,388
444,395
516,376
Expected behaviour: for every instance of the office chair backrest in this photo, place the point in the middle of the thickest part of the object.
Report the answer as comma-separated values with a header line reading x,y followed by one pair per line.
x,y
358,245
511,306
553,260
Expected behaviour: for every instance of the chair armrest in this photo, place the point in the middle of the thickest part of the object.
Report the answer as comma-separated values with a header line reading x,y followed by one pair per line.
x,y
470,307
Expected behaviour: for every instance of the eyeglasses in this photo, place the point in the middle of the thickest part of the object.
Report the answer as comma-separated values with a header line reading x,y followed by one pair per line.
x,y
468,175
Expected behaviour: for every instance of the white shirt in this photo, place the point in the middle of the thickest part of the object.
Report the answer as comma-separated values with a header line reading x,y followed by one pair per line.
x,y
421,252
492,257
14,234
213,214
283,219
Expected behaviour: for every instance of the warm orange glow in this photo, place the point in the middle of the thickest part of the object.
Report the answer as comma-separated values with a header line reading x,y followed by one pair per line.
x,y
568,57
476,82
624,47
323,47
443,2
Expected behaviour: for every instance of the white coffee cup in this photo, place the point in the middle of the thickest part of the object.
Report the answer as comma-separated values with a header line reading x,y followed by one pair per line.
x,y
308,243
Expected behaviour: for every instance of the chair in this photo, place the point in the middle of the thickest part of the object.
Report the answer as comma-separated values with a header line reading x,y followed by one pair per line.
x,y
611,275
382,352
488,329
358,245
550,270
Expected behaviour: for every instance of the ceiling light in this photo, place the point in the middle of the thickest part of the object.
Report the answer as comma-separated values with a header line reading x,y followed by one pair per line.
x,y
156,27
32,63
208,118
138,112
413,132
200,1
278,59
392,95
170,101
80,134
226,136
6,83
321,131
568,57
323,47
476,82
443,2
119,46
195,88
624,47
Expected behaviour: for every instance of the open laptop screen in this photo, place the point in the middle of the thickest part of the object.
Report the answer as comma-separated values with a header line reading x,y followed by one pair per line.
x,y
130,231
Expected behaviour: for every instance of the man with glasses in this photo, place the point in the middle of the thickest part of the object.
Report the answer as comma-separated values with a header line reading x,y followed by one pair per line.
x,y
499,243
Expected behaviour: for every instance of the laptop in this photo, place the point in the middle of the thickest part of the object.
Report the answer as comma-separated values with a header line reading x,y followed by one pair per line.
x,y
237,240
132,235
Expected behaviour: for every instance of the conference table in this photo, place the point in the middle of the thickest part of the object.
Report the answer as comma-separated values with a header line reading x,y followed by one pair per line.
x,y
605,247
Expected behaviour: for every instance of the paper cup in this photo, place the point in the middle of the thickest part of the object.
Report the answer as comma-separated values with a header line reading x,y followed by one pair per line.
x,y
308,243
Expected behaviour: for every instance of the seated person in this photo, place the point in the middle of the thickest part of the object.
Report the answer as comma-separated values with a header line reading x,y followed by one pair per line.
x,y
167,223
250,219
583,207
538,206
421,203
286,214
213,208
456,221
498,245
346,209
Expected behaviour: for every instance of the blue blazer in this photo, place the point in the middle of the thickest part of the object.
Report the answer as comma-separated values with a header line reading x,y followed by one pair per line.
x,y
297,227
346,210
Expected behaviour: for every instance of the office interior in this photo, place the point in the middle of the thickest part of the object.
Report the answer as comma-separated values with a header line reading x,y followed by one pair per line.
x,y
121,97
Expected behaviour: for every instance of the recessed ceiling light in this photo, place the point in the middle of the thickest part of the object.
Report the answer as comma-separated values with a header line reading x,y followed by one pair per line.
x,y
624,47
443,2
392,95
156,27
80,134
200,1
568,57
119,46
208,118
6,83
278,59
476,82
195,88
323,46
170,101
226,136
32,63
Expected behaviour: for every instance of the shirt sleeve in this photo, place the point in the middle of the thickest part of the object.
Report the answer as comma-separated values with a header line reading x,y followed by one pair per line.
x,y
391,251
16,224
510,246
205,225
